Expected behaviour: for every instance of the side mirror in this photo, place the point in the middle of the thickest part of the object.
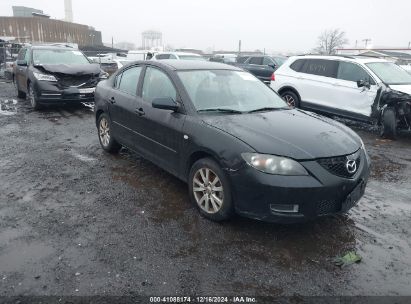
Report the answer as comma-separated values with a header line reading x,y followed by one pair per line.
x,y
273,66
22,62
363,84
165,103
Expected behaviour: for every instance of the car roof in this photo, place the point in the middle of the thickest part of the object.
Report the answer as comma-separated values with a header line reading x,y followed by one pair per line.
x,y
179,53
52,47
181,65
350,58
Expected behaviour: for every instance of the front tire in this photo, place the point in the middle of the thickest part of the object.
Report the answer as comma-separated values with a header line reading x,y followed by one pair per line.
x,y
107,142
19,93
388,127
291,99
210,190
31,95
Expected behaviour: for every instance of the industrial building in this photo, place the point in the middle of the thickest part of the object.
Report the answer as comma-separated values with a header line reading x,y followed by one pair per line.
x,y
33,26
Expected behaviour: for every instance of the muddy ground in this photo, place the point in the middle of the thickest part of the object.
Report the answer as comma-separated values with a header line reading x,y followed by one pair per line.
x,y
77,221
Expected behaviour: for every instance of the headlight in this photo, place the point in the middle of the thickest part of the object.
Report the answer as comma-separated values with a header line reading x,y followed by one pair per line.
x,y
44,77
104,75
274,164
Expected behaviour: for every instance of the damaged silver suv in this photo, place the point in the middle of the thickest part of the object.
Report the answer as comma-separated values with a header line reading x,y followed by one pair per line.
x,y
357,87
55,74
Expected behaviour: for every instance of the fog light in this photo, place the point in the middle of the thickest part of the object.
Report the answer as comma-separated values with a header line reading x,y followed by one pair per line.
x,y
281,208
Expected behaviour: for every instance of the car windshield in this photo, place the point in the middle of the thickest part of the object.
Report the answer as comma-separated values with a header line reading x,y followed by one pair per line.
x,y
225,91
191,57
390,73
58,57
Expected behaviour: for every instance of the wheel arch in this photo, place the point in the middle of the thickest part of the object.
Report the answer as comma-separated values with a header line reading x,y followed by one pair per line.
x,y
197,155
289,88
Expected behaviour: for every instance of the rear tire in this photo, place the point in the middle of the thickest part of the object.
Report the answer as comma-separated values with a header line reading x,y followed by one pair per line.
x,y
388,128
291,99
19,93
107,142
32,98
210,191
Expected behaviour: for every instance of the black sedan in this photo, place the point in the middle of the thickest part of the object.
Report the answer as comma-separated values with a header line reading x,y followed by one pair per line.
x,y
236,143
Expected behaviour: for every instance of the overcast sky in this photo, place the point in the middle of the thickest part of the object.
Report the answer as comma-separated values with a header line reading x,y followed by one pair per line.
x,y
288,25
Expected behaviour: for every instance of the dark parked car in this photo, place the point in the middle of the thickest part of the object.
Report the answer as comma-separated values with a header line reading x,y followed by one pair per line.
x,y
54,75
263,67
234,141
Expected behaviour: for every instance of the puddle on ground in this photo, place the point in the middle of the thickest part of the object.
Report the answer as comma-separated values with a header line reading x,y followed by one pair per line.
x,y
8,107
385,169
168,195
21,254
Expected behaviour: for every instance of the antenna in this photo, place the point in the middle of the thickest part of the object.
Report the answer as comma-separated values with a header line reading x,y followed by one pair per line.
x,y
68,10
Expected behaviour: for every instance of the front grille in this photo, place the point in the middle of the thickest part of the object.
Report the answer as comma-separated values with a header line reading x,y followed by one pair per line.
x,y
78,81
327,207
338,165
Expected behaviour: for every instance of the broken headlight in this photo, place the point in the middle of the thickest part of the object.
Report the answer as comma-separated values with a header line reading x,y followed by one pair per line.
x,y
274,164
44,77
104,75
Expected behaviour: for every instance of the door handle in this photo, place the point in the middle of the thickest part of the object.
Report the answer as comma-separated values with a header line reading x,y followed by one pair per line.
x,y
112,100
140,112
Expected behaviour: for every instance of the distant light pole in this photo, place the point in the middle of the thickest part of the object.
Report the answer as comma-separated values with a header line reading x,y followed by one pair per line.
x,y
366,41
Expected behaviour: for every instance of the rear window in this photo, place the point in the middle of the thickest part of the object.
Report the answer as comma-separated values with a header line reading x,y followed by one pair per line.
x,y
320,67
256,60
163,56
242,59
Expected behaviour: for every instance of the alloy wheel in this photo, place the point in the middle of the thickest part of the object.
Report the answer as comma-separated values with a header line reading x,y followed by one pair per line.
x,y
31,97
208,190
104,132
290,100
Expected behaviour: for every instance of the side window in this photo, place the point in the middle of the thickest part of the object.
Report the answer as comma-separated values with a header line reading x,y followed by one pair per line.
x,y
129,81
268,61
298,65
156,85
321,67
163,56
22,54
256,60
173,56
353,72
27,56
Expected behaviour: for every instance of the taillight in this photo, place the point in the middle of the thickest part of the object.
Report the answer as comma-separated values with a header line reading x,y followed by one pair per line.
x,y
273,77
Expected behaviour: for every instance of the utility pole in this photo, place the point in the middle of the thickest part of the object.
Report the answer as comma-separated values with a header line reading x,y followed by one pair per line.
x,y
112,42
366,41
409,44
239,47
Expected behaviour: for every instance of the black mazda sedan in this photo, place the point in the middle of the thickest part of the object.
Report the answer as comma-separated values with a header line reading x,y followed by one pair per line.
x,y
236,143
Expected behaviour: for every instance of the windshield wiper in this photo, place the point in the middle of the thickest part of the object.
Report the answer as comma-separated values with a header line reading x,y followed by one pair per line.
x,y
221,110
268,109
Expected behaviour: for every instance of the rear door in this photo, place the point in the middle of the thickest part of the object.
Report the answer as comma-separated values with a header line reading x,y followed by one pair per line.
x,y
317,83
123,102
350,97
162,129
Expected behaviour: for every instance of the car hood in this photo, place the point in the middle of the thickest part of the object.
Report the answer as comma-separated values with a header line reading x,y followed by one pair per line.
x,y
72,69
293,133
403,88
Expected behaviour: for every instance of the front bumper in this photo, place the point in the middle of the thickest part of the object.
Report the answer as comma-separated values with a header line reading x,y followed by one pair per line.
x,y
256,194
51,93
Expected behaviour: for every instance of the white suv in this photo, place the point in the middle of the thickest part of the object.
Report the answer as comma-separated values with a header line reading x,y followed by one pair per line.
x,y
363,88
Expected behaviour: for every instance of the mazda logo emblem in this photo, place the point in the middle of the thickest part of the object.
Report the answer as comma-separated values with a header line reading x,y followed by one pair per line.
x,y
351,166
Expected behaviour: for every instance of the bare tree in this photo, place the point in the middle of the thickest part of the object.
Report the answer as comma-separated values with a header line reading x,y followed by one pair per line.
x,y
330,40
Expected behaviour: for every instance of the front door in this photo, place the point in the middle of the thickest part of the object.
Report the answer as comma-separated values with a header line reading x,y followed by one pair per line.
x,y
349,97
162,129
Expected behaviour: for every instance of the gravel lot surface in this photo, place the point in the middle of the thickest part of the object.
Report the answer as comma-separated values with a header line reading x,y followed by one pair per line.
x,y
77,221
